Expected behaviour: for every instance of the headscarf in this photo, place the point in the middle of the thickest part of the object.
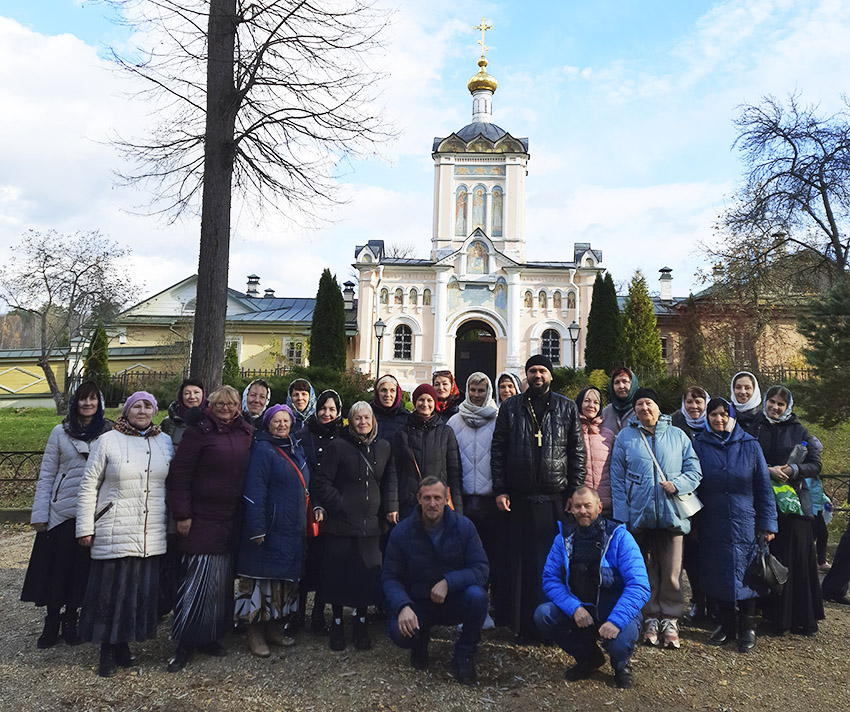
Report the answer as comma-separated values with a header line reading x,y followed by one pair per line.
x,y
250,416
373,433
454,395
500,378
96,426
755,399
786,395
712,405
313,421
477,415
700,422
310,409
382,409
122,425
622,406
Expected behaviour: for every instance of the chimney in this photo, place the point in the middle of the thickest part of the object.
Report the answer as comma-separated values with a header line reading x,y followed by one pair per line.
x,y
717,272
348,296
666,281
253,286
269,294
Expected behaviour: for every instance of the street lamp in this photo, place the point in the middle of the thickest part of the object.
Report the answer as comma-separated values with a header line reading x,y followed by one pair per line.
x,y
574,330
380,328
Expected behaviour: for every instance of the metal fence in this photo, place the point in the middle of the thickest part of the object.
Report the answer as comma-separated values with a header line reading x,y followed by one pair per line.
x,y
18,475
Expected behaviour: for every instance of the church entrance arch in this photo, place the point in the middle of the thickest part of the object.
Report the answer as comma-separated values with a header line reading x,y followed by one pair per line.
x,y
475,350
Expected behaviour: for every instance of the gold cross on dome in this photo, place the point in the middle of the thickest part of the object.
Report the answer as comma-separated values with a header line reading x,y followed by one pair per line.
x,y
483,26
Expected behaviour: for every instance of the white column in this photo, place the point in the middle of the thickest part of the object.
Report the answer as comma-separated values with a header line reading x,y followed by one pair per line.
x,y
512,362
440,314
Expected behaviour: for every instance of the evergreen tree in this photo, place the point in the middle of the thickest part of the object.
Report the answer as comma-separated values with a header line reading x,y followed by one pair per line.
x,y
327,332
827,329
602,350
230,373
96,366
641,338
693,362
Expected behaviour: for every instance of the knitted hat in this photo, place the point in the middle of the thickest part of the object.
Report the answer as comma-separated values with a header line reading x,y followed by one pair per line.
x,y
539,360
424,389
647,393
274,410
137,396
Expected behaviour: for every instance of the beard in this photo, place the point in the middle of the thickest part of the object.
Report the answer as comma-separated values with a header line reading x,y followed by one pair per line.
x,y
538,390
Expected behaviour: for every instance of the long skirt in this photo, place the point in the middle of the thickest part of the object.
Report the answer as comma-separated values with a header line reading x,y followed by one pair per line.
x,y
800,606
259,600
120,604
59,568
203,610
532,526
352,571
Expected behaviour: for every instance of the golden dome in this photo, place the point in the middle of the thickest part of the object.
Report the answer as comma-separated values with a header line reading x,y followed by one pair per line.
x,y
482,80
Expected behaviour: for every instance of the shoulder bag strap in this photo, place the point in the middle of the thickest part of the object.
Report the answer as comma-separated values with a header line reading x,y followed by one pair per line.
x,y
297,469
415,464
648,447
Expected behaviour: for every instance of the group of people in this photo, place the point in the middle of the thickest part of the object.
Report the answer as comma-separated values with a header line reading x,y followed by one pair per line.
x,y
508,506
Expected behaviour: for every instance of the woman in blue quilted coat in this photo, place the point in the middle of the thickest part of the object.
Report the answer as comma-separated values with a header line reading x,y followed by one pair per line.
x,y
738,510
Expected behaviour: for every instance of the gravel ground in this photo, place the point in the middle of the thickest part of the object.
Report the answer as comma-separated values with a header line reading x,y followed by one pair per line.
x,y
791,673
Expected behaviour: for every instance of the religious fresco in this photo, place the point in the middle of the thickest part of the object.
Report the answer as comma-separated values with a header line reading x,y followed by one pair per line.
x,y
426,298
473,296
399,296
479,170
542,300
498,210
477,258
479,206
385,296
528,300
556,300
501,296
571,300
460,212
414,297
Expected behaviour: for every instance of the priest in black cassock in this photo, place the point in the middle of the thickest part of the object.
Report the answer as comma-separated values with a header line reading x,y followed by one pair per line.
x,y
537,460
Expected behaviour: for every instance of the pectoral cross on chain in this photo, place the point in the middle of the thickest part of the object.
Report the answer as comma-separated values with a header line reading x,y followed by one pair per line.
x,y
539,436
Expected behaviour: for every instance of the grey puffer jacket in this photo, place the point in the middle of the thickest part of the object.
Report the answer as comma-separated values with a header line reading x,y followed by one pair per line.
x,y
62,467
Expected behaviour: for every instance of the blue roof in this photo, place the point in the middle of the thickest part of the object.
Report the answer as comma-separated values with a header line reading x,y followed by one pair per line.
x,y
485,129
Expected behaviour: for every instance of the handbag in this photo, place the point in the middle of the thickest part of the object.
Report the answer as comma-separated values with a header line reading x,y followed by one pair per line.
x,y
766,574
686,504
312,524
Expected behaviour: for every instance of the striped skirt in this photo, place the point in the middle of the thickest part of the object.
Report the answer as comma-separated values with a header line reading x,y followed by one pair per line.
x,y
203,611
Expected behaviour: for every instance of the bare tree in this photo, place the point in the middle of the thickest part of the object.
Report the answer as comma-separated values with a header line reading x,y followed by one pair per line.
x,y
65,282
795,195
258,99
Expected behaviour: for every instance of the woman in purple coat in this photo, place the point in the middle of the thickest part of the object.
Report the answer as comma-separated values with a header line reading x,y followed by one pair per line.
x,y
204,490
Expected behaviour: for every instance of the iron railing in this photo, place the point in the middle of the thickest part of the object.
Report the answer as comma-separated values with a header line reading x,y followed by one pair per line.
x,y
18,474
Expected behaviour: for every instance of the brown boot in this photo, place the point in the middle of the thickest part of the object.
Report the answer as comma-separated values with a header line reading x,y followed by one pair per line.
x,y
257,642
276,635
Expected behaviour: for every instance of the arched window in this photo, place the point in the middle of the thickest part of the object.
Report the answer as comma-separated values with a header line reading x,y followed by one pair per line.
x,y
413,297
426,298
385,296
571,300
399,296
550,345
556,300
403,343
541,299
528,300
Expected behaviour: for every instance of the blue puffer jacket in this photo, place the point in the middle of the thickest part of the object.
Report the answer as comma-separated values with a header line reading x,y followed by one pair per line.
x,y
275,507
737,502
638,498
412,564
623,585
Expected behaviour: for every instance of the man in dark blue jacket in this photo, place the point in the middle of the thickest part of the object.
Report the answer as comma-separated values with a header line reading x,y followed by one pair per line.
x,y
596,582
434,574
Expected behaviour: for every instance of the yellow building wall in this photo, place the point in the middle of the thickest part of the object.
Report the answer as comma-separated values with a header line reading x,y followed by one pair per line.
x,y
23,377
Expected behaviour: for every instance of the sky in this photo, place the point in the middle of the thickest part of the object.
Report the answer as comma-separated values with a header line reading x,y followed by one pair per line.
x,y
628,107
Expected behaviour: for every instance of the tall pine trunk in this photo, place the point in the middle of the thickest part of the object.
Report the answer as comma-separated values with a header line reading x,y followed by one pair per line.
x,y
214,254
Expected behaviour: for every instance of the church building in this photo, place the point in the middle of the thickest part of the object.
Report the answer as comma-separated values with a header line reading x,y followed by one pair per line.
x,y
476,303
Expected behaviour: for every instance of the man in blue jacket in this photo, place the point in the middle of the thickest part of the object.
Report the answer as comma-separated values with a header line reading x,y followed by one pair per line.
x,y
434,574
596,582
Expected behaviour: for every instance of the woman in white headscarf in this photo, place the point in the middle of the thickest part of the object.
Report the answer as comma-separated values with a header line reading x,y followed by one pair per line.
x,y
473,426
746,397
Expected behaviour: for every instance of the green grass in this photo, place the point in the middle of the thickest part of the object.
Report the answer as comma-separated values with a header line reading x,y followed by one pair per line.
x,y
29,428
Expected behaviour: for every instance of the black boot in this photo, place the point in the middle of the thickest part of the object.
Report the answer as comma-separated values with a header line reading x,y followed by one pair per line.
x,y
746,634
360,635
50,635
419,652
180,659
336,636
726,630
317,619
70,634
123,656
107,666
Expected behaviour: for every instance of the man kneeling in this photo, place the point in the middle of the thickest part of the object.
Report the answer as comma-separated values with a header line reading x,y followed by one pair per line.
x,y
596,581
434,574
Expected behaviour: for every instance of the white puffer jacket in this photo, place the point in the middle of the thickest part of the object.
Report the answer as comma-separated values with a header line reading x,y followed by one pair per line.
x,y
121,500
62,468
474,446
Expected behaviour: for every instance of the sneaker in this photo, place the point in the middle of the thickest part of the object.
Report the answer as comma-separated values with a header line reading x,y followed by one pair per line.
x,y
670,633
650,631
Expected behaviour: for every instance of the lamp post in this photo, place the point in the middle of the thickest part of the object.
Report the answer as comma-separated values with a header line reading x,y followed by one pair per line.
x,y
380,327
574,330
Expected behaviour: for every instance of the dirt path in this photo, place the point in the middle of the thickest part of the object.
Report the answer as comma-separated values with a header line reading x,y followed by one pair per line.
x,y
791,673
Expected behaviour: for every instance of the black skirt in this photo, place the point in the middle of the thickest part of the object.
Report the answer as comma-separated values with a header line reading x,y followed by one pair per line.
x,y
352,571
121,600
203,611
59,568
800,606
